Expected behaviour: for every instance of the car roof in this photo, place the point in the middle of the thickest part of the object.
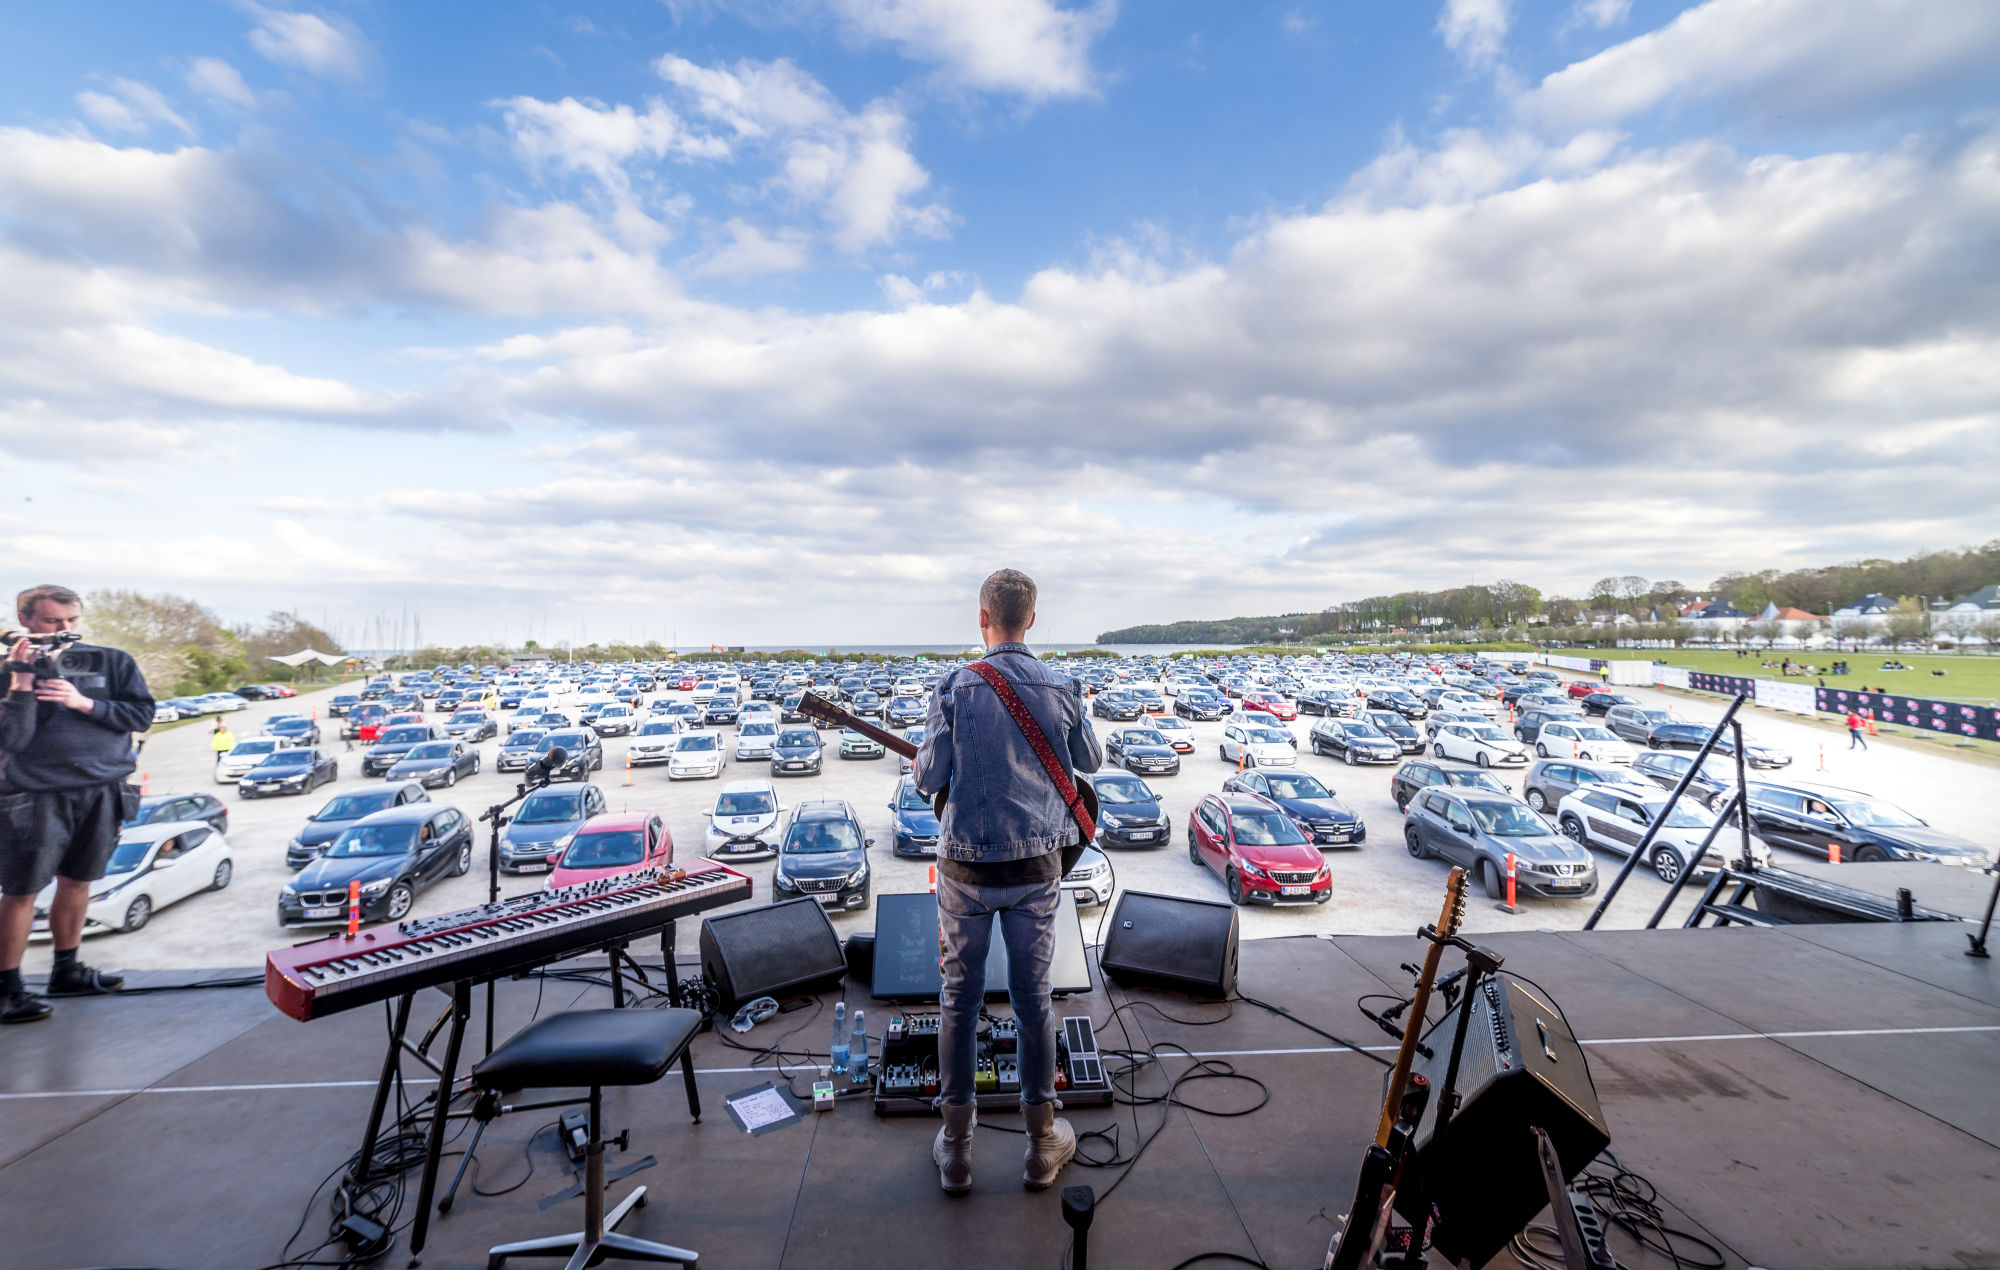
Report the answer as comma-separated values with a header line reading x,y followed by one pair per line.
x,y
745,787
605,822
823,809
1240,800
406,813
1815,787
161,831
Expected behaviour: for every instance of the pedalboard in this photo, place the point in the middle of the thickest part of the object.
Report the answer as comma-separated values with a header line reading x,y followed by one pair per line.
x,y
906,1080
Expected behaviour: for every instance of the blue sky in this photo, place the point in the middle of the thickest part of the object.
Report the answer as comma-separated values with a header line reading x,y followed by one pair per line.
x,y
788,319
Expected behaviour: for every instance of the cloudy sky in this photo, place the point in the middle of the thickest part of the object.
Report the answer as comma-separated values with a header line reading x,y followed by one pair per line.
x,y
786,320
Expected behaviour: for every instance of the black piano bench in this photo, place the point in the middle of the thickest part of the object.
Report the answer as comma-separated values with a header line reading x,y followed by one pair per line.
x,y
595,1048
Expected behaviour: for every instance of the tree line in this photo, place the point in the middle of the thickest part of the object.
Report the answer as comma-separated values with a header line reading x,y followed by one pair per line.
x,y
183,648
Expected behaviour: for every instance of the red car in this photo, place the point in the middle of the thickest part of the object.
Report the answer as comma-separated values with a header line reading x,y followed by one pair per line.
x,y
1271,703
1258,850
372,731
1584,687
611,844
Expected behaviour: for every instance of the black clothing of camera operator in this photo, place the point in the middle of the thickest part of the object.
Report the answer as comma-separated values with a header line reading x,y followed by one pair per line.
x,y
66,733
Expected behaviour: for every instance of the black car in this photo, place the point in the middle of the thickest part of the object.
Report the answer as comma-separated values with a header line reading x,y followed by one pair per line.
x,y
1596,703
296,728
1635,723
1817,819
797,752
1665,768
788,709
1117,704
1550,780
1323,818
393,744
1325,701
722,709
360,716
342,810
585,753
1407,736
1357,741
338,706
518,750
394,855
1479,831
1129,812
1420,774
1395,699
297,770
437,763
904,711
1691,736
1202,704
166,809
472,725
824,854
867,703
257,692
1143,750
1529,725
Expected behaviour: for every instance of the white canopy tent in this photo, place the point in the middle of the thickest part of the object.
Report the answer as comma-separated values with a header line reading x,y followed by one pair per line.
x,y
305,655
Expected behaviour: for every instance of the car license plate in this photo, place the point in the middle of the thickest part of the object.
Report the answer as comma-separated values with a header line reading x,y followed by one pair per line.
x,y
1146,836
325,910
1560,885
541,867
1336,837
1295,890
831,899
793,767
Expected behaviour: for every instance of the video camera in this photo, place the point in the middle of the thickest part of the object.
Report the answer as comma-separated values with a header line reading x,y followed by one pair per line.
x,y
53,656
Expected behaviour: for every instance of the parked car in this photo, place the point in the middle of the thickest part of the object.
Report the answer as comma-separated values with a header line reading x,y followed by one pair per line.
x,y
824,854
915,736
1615,818
1129,812
1200,704
743,823
369,714
1264,701
163,809
1419,774
1257,850
719,710
436,764
393,744
1117,704
1355,740
1398,729
583,750
855,745
1179,735
916,831
1142,749
1398,701
1250,744
471,725
695,756
1529,723
1601,701
788,709
1635,723
615,720
342,810
1715,781
1691,736
296,728
244,755
340,703
292,770
518,750
542,825
755,741
1479,830
1482,745
152,866
610,844
1445,718
904,711
1092,880
1590,742
394,854
797,751
1550,780
1813,818
1324,819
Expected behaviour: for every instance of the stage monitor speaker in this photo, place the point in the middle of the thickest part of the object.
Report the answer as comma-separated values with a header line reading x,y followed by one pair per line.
x,y
1521,1068
780,950
1165,941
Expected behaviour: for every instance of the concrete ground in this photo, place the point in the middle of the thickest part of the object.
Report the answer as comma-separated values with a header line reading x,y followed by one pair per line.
x,y
1379,888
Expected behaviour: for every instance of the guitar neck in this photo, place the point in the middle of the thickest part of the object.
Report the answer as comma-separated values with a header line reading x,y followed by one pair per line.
x,y
820,709
1399,1076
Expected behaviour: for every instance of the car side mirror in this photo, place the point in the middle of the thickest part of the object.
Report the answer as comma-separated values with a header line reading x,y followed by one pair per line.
x,y
868,842
1464,829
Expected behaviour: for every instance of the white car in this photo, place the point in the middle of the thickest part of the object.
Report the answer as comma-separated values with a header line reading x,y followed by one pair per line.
x,y
221,702
744,820
152,866
1440,718
909,688
695,756
1481,744
705,691
654,741
1615,818
1258,745
755,739
615,721
1469,702
1178,731
1581,739
164,713
245,755
758,712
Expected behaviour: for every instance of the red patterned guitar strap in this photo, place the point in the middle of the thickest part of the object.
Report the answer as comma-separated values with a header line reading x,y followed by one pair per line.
x,y
1065,787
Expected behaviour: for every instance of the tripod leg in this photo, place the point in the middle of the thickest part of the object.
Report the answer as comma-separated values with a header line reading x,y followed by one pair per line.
x,y
461,1011
464,1162
390,1063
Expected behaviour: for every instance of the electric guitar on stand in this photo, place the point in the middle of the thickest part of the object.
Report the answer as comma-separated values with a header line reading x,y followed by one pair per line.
x,y
1366,1229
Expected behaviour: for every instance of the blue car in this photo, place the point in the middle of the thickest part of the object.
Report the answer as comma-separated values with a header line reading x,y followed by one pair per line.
x,y
1323,818
916,832
546,821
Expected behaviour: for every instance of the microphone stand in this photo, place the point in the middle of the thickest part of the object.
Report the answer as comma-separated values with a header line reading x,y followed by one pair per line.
x,y
536,776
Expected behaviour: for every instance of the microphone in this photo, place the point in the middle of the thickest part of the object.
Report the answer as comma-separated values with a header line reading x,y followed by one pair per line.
x,y
538,771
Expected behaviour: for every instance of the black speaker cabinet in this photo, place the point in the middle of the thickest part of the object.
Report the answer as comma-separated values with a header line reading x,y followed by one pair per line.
x,y
779,950
1165,941
1521,1069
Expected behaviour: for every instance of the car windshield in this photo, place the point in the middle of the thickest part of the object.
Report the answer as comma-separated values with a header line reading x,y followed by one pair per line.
x,y
746,802
355,806
609,850
1364,730
1877,815
908,799
1267,736
1300,786
526,739
1472,779
469,716
1490,735
1144,736
550,808
798,737
1508,820
130,853
247,748
1594,734
657,727
822,837
571,742
1681,817
404,736
440,749
1262,828
689,744
367,840
1113,792
758,729
288,758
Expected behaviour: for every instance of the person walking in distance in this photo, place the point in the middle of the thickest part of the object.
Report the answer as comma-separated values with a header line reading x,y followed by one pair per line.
x,y
67,748
220,739
1854,736
1001,841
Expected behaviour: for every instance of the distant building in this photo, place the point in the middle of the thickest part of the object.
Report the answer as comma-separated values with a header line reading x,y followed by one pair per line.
x,y
1712,619
1867,616
1971,615
1796,623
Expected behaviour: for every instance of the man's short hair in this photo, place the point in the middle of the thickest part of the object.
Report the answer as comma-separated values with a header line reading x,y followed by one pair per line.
x,y
24,604
1008,596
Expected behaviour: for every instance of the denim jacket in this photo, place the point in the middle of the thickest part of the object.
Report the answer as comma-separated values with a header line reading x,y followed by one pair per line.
x,y
1003,806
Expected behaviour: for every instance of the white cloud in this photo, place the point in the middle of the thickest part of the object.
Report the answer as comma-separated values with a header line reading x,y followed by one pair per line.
x,y
599,140
855,171
1038,49
750,251
131,107
1476,30
1598,13
330,48
1796,59
1297,22
220,82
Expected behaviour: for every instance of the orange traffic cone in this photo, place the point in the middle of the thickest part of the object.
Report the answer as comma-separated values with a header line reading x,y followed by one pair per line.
x,y
628,769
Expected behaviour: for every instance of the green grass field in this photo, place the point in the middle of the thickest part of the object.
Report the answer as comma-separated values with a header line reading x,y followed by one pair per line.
x,y
1969,678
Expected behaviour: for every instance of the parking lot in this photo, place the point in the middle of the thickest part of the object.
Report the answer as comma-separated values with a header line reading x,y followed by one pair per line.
x,y
1377,887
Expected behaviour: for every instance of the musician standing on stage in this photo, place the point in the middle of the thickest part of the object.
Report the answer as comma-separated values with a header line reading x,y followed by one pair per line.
x,y
67,749
1000,844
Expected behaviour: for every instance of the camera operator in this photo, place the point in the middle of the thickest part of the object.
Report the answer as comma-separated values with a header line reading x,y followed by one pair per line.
x,y
66,740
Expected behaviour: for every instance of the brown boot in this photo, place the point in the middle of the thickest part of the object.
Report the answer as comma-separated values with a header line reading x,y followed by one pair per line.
x,y
1051,1145
953,1148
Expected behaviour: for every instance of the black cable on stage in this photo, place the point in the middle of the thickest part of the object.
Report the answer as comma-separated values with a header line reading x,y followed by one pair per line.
x,y
239,981
1282,1012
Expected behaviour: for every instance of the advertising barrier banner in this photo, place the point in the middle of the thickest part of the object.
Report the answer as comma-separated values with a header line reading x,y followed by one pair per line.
x,y
1775,694
1979,722
1670,676
1729,685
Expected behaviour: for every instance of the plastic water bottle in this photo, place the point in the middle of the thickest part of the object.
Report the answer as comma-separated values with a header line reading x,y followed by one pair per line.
x,y
857,1049
839,1046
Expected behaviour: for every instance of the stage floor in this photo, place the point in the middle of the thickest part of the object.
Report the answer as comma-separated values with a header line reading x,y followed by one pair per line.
x,y
1805,1097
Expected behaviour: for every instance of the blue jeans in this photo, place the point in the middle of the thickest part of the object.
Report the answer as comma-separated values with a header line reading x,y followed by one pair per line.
x,y
965,926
